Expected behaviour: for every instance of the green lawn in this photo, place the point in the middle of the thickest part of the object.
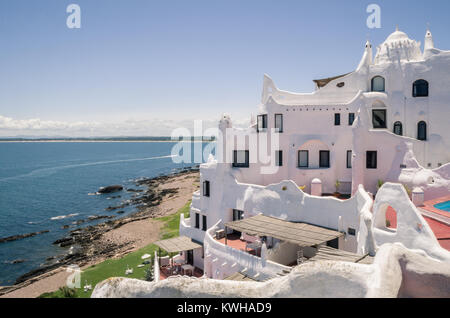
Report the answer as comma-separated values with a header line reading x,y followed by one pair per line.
x,y
117,267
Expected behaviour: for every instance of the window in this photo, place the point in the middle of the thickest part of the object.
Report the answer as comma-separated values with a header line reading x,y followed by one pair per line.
x,y
279,123
238,215
398,128
349,159
420,88
351,231
206,188
197,220
241,158
324,159
351,118
378,84
371,159
278,158
262,123
379,118
337,119
204,224
303,158
422,131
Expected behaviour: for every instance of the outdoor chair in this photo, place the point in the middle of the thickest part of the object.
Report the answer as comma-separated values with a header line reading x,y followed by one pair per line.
x,y
164,261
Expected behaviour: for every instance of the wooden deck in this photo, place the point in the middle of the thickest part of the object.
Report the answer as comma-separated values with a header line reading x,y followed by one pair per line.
x,y
331,254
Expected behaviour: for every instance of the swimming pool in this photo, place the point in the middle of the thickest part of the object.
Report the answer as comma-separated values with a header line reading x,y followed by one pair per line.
x,y
445,206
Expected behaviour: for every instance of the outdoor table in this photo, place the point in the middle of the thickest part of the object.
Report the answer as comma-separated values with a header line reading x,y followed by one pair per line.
x,y
188,268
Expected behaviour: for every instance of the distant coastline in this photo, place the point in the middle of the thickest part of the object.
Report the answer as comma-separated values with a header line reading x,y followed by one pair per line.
x,y
109,139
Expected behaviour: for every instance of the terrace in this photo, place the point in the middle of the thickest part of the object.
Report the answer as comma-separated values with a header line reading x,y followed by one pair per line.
x,y
183,262
301,242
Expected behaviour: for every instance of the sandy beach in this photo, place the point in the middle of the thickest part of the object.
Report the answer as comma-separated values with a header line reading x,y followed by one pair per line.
x,y
130,236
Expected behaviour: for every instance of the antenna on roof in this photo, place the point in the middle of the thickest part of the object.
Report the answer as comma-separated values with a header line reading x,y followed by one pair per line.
x,y
396,27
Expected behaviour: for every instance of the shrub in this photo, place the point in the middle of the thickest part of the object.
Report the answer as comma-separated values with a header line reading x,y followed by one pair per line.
x,y
67,292
337,185
380,183
149,272
407,189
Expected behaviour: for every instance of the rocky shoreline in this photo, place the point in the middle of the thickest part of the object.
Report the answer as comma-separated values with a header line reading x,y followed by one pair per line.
x,y
85,245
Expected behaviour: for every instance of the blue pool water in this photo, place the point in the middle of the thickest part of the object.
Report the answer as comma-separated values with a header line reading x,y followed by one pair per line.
x,y
44,186
445,206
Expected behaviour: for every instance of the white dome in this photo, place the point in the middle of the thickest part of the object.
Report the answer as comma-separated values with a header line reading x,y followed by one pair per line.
x,y
398,46
397,36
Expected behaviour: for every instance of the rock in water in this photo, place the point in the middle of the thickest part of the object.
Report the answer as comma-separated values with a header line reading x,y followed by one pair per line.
x,y
21,236
110,189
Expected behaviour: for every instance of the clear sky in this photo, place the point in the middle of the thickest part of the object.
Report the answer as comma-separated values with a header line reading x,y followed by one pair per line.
x,y
142,67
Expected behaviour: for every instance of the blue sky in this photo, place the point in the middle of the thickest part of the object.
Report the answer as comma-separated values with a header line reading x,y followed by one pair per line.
x,y
153,65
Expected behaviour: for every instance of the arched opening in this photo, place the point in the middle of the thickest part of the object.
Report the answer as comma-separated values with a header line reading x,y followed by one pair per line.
x,y
398,128
420,88
391,218
385,218
422,130
378,84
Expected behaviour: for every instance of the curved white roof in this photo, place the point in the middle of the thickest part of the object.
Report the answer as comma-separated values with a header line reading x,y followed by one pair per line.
x,y
398,46
396,36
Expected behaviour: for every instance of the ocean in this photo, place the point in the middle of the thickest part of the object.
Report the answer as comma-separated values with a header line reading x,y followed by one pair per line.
x,y
47,185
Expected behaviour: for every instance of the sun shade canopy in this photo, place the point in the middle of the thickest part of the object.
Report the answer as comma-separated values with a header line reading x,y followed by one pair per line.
x,y
178,244
297,233
324,81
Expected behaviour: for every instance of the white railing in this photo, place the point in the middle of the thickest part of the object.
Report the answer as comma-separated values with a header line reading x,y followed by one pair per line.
x,y
187,230
196,200
255,265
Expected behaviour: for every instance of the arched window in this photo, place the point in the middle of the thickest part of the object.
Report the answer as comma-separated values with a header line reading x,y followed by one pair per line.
x,y
378,84
398,128
422,131
420,88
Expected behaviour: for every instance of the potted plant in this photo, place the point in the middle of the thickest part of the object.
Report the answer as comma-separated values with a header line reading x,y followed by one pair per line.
x,y
337,185
380,184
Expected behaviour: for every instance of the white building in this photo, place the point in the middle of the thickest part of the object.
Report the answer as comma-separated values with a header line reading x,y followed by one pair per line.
x,y
386,121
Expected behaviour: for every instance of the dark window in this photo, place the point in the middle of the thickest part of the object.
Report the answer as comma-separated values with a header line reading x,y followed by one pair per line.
x,y
238,215
337,119
241,158
420,88
422,131
204,224
398,128
351,118
378,84
379,118
371,159
190,257
279,123
206,188
351,231
324,159
349,159
333,243
197,220
262,122
279,158
303,158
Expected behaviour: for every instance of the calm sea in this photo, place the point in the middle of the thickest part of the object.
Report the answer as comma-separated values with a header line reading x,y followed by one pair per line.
x,y
44,186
